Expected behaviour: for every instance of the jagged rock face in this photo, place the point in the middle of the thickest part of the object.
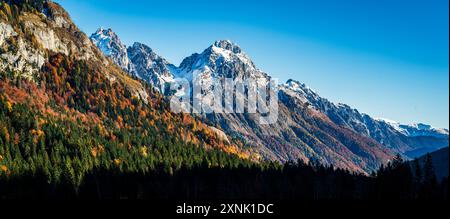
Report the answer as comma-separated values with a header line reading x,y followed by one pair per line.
x,y
228,45
138,60
223,59
50,31
23,59
409,140
111,46
25,49
150,67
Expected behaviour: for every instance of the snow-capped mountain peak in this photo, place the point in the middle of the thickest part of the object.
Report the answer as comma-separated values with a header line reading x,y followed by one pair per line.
x,y
225,51
227,45
105,39
110,44
138,60
224,58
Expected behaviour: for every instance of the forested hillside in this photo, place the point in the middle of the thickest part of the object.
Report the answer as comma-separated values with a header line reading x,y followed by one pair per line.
x,y
68,116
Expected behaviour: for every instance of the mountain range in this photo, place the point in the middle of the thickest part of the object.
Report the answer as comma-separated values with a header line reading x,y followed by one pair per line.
x,y
312,128
95,98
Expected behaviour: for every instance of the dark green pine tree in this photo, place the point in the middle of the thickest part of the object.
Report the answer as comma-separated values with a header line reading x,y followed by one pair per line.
x,y
418,173
429,179
418,177
397,162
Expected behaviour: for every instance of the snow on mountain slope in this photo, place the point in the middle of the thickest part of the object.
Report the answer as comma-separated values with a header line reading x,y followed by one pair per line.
x,y
220,58
151,67
398,137
415,130
138,60
111,46
224,59
300,132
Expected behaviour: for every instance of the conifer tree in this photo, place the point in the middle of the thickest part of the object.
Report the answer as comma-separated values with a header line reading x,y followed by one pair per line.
x,y
429,178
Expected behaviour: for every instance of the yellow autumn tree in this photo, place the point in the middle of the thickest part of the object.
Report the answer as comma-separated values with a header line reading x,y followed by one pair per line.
x,y
144,151
5,134
8,106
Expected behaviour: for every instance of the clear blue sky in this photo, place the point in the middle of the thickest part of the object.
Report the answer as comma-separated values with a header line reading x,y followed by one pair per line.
x,y
386,58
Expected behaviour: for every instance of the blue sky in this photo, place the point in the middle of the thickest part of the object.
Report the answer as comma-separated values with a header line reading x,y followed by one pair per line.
x,y
386,58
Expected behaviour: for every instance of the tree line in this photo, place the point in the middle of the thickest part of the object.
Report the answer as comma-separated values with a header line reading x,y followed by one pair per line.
x,y
271,181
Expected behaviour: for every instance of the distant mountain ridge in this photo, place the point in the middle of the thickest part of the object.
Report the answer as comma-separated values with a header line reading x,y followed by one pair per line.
x,y
417,129
403,139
